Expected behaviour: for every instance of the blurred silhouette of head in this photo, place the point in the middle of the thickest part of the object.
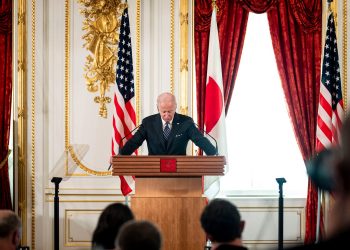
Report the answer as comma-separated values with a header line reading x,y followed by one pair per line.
x,y
342,168
139,235
10,230
108,225
320,168
330,168
221,221
330,171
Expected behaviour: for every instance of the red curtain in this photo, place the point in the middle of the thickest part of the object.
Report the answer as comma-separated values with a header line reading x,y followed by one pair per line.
x,y
295,27
296,36
258,6
5,98
232,22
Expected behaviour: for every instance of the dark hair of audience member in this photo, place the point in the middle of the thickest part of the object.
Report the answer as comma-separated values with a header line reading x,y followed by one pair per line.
x,y
8,224
221,220
10,229
108,225
137,235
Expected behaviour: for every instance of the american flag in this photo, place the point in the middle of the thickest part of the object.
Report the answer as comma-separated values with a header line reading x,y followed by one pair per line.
x,y
124,118
329,119
330,109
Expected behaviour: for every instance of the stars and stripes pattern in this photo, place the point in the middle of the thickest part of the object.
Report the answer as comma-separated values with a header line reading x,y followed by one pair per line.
x,y
124,117
330,109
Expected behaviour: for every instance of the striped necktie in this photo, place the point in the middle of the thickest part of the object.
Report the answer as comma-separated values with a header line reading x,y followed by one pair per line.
x,y
166,131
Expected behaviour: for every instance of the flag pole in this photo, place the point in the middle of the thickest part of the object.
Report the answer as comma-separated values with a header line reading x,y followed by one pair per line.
x,y
331,100
319,193
126,200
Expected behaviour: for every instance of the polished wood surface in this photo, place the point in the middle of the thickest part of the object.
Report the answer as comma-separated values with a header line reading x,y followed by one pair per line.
x,y
175,206
150,165
168,187
177,218
173,201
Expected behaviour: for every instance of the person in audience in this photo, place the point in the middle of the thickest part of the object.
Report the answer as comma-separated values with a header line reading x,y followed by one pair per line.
x,y
139,235
223,226
10,230
108,225
167,133
338,179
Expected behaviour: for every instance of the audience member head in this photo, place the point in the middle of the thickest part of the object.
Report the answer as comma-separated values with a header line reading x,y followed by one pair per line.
x,y
136,235
166,105
340,217
221,222
330,171
10,230
108,225
342,169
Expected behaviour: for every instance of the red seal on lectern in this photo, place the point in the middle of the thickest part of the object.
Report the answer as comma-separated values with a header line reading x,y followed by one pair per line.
x,y
168,165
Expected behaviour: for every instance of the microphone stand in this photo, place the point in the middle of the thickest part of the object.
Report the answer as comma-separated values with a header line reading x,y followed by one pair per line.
x,y
280,182
56,217
206,133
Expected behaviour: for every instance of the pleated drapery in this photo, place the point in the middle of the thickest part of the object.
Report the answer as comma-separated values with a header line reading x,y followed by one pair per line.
x,y
296,29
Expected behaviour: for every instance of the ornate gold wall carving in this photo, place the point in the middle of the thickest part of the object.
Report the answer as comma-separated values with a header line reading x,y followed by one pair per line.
x,y
69,149
33,215
22,118
138,60
172,45
184,57
334,7
345,54
101,26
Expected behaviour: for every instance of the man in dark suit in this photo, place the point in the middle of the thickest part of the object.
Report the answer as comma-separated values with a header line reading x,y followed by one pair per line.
x,y
167,133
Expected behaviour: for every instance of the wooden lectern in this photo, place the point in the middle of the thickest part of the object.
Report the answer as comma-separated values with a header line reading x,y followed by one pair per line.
x,y
168,192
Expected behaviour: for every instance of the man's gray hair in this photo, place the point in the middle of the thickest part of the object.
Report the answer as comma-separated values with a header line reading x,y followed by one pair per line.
x,y
166,96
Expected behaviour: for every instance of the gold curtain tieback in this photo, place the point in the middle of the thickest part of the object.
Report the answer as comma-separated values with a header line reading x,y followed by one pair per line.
x,y
2,163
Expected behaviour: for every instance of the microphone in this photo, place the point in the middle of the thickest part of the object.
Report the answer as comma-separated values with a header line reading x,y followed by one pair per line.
x,y
205,132
121,140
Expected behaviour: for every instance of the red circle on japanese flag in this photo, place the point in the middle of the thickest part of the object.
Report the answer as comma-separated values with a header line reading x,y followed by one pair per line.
x,y
213,104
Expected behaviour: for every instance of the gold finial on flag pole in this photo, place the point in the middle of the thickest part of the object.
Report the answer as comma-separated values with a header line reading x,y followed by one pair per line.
x,y
332,6
213,3
329,3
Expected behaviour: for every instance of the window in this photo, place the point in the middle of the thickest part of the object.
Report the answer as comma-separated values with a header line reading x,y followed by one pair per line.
x,y
261,144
